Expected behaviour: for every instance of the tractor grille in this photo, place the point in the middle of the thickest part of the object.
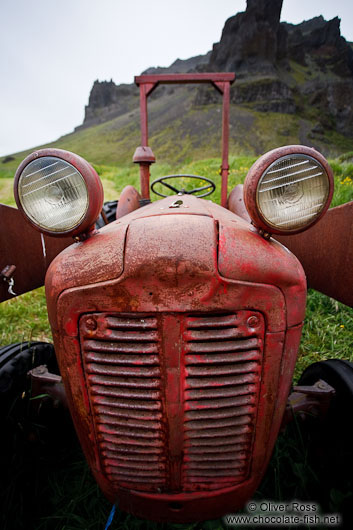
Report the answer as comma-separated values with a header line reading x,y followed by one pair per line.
x,y
223,368
123,370
127,367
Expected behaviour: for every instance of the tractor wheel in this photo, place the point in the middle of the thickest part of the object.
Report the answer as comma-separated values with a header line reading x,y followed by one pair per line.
x,y
17,359
109,210
338,374
34,435
330,440
338,422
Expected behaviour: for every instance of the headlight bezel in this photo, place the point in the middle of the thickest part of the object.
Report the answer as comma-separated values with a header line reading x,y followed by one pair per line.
x,y
259,169
91,180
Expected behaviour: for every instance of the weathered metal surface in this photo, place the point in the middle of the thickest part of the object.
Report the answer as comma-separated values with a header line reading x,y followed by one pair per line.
x,y
93,185
165,356
75,265
6,275
26,249
207,77
260,166
225,143
325,250
125,369
129,201
8,272
313,401
123,375
46,385
144,157
236,203
223,364
326,253
244,255
147,83
143,154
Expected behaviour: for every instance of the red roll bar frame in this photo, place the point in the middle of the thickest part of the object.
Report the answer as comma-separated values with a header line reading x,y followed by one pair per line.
x,y
147,83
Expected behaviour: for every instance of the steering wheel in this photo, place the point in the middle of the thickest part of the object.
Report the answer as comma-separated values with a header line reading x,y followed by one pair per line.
x,y
210,186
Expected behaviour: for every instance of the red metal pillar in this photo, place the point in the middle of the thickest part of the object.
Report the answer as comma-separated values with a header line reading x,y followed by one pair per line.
x,y
143,154
143,114
225,144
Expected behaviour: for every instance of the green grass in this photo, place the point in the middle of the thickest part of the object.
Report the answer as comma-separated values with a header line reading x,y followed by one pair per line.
x,y
6,191
119,177
327,332
343,173
25,318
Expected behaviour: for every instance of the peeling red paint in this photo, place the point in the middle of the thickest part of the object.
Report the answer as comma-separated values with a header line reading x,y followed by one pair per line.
x,y
82,379
174,270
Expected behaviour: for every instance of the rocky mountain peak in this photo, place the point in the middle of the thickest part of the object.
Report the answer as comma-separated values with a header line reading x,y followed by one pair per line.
x,y
250,39
304,69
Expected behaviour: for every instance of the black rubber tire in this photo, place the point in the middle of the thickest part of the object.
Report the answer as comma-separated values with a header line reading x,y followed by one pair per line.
x,y
109,208
33,434
339,374
330,440
17,359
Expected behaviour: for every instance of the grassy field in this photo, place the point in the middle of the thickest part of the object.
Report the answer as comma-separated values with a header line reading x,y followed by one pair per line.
x,y
70,498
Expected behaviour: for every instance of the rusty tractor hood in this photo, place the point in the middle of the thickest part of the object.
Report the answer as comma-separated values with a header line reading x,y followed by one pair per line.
x,y
166,324
182,251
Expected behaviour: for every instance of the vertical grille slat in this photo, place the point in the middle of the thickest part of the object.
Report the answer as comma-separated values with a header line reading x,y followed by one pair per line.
x,y
223,371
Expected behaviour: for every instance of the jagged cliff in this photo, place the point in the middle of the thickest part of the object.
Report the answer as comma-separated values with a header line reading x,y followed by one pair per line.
x,y
304,70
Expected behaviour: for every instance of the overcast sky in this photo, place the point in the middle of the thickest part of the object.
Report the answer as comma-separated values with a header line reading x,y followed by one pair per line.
x,y
51,51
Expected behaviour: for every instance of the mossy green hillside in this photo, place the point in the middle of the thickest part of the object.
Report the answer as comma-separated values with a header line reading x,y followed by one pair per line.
x,y
182,130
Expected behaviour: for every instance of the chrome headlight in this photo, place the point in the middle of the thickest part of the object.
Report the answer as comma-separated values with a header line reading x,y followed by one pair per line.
x,y
59,192
288,189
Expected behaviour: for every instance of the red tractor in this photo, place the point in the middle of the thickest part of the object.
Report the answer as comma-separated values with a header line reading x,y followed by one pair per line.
x,y
176,326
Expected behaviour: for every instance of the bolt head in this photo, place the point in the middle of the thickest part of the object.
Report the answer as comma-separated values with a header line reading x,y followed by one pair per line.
x,y
91,323
253,321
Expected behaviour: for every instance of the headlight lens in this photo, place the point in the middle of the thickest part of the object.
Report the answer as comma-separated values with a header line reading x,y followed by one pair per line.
x,y
292,192
288,189
59,193
53,194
